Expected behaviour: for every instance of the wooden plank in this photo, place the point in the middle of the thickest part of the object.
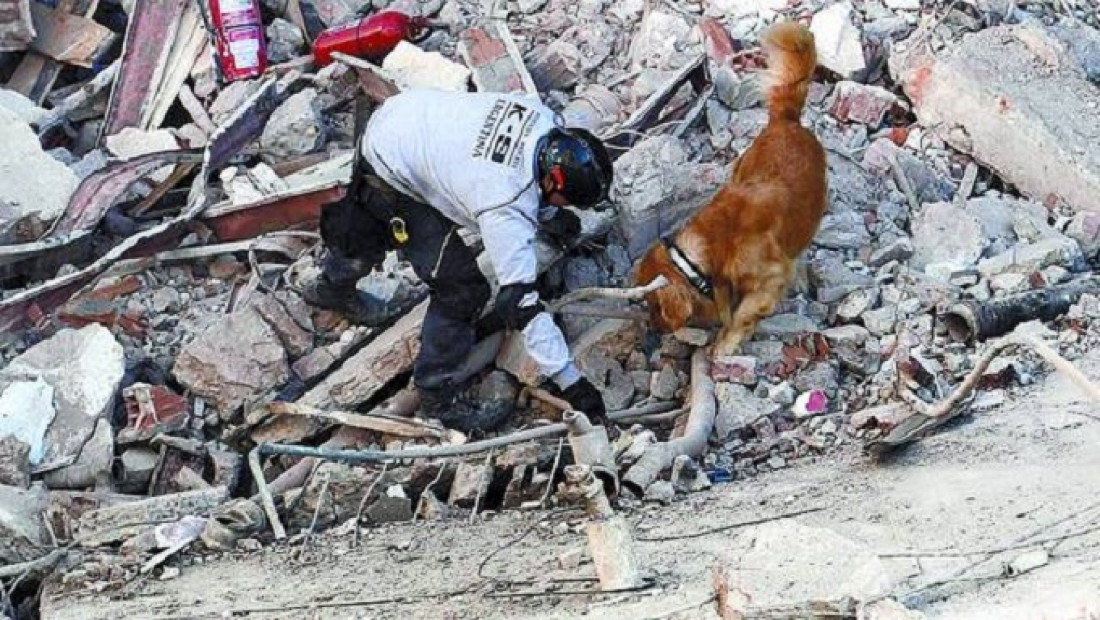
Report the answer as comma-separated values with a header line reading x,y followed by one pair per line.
x,y
188,44
119,522
69,39
388,425
36,74
150,37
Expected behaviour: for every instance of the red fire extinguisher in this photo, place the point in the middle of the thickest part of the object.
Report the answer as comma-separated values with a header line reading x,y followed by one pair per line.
x,y
238,34
370,38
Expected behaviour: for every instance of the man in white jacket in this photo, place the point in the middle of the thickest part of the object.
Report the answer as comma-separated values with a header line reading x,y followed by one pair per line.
x,y
499,165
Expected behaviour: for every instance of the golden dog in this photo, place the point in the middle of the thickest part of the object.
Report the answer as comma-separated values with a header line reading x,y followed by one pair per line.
x,y
734,259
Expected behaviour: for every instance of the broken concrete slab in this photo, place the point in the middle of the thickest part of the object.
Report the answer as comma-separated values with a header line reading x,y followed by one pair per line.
x,y
296,128
741,369
1084,228
230,99
833,280
83,369
660,492
614,338
946,234
595,107
137,467
860,103
131,142
793,563
664,40
657,189
92,467
839,41
882,321
738,407
296,338
234,360
610,379
900,250
17,402
47,191
15,463
785,327
23,535
663,384
846,335
1012,97
69,39
412,67
925,182
1027,258
372,367
845,230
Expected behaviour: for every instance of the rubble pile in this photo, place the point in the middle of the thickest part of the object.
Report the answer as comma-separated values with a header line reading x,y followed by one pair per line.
x,y
156,222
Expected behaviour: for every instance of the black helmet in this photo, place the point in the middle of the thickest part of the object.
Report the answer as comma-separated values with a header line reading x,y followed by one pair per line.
x,y
579,164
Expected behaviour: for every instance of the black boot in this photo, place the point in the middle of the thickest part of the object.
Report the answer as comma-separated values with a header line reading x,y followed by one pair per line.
x,y
456,410
359,307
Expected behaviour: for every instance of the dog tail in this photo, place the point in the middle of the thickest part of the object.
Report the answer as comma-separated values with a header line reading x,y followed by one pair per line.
x,y
792,58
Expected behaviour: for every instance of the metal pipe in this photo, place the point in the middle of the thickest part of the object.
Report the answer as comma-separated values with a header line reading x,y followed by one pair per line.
x,y
700,424
970,321
379,456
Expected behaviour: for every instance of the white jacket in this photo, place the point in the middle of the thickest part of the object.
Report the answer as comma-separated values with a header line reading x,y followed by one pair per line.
x,y
472,157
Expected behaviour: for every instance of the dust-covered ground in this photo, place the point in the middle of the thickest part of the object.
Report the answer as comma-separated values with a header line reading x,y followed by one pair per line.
x,y
992,481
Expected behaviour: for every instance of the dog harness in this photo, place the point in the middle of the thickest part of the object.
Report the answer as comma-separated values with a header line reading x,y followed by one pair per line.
x,y
690,270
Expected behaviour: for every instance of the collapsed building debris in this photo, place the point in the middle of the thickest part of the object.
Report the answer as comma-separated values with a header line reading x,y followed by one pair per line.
x,y
154,334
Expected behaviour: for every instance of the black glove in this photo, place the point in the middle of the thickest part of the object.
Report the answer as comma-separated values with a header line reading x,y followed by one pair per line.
x,y
584,396
564,228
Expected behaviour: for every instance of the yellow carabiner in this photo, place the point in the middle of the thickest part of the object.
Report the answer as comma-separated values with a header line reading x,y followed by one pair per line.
x,y
399,232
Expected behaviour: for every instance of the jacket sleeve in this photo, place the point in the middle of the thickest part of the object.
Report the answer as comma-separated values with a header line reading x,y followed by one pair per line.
x,y
509,239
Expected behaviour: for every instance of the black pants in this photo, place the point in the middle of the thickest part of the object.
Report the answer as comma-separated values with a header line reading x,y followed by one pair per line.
x,y
357,234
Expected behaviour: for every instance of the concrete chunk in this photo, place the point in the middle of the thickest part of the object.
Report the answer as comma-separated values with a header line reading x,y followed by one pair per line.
x,y
798,563
852,101
47,191
839,40
1018,102
22,531
296,128
82,370
412,67
943,233
232,361
1026,258
657,189
14,462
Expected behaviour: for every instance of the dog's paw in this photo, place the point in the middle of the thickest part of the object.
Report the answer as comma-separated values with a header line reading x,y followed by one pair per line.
x,y
727,347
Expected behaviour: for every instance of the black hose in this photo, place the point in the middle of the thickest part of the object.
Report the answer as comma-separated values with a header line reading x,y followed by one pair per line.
x,y
970,321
